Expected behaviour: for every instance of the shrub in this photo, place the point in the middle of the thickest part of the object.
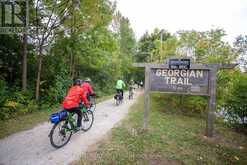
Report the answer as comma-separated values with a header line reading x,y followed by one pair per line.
x,y
236,103
196,104
58,91
15,103
3,92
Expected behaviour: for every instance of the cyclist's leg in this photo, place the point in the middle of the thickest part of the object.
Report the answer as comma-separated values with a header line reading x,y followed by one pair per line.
x,y
79,115
121,90
88,97
115,97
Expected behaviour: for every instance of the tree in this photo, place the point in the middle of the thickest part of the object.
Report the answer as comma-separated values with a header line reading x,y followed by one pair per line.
x,y
89,48
49,16
127,44
24,63
152,49
240,46
10,50
208,46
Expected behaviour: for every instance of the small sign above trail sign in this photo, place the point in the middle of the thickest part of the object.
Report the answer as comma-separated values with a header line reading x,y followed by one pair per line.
x,y
184,81
179,63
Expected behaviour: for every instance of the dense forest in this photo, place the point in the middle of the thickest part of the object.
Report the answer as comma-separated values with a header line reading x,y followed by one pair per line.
x,y
93,39
66,42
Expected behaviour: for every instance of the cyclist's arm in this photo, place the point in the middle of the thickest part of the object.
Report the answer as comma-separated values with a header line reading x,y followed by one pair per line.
x,y
84,98
123,83
90,90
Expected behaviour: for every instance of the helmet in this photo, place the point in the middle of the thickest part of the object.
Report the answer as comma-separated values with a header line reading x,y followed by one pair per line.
x,y
87,79
77,82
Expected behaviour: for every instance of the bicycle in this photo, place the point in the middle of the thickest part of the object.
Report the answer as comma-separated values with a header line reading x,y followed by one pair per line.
x,y
131,93
119,98
65,125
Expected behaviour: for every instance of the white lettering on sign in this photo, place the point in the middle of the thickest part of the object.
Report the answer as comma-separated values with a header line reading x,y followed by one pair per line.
x,y
179,77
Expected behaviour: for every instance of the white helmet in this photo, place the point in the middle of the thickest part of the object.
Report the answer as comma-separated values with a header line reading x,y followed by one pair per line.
x,y
88,79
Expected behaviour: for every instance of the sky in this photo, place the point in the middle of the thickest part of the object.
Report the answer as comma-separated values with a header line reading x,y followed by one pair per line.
x,y
174,15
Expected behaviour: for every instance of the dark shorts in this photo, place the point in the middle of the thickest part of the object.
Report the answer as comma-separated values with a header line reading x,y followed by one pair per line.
x,y
76,110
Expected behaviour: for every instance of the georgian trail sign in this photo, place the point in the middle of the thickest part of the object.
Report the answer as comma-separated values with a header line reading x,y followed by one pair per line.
x,y
180,76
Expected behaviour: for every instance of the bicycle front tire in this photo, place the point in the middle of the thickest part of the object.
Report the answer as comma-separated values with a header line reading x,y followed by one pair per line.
x,y
87,120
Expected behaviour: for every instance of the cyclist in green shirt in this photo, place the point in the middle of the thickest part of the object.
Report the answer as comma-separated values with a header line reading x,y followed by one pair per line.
x,y
120,86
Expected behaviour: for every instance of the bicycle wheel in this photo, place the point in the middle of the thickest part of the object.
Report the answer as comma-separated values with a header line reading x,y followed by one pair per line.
x,y
93,103
87,120
131,95
117,101
60,135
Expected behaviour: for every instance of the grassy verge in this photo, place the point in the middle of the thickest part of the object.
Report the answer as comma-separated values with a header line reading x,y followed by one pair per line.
x,y
25,122
29,121
172,138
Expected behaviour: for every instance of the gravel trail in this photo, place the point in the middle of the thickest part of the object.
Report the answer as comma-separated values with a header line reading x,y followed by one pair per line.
x,y
32,147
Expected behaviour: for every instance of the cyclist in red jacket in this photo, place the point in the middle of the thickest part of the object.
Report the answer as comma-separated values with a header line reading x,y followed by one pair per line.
x,y
87,87
72,101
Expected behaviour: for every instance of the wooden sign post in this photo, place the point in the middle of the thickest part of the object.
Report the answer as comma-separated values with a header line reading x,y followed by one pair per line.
x,y
179,76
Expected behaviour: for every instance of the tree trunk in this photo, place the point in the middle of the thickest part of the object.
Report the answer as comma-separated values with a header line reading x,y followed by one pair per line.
x,y
72,67
37,94
73,72
71,64
24,63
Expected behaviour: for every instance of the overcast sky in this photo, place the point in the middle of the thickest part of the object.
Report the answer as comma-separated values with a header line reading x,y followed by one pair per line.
x,y
174,15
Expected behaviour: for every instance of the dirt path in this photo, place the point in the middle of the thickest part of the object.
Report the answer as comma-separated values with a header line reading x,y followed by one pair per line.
x,y
32,147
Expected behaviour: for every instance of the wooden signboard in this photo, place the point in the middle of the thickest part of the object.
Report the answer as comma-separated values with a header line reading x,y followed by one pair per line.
x,y
180,76
179,81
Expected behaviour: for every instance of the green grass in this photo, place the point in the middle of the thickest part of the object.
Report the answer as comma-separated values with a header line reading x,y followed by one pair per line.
x,y
28,121
172,138
25,122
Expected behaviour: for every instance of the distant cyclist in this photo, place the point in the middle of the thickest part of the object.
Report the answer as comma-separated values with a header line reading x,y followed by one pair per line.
x,y
72,101
141,84
120,86
131,89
